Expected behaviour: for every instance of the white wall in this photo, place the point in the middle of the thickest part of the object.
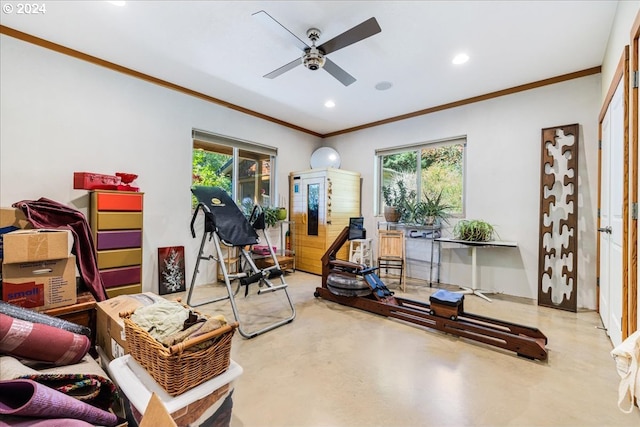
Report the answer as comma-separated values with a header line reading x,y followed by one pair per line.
x,y
59,115
620,36
503,177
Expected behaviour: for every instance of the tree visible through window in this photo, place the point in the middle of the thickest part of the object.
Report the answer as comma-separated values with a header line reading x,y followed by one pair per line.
x,y
425,170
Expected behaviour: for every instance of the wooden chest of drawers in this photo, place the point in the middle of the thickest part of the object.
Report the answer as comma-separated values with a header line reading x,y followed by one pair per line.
x,y
116,223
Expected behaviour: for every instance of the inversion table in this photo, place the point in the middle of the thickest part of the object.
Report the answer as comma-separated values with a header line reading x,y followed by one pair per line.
x,y
225,224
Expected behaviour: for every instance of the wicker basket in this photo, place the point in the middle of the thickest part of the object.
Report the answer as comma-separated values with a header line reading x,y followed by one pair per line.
x,y
175,368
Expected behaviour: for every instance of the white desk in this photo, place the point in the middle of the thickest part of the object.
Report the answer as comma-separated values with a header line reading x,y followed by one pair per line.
x,y
473,246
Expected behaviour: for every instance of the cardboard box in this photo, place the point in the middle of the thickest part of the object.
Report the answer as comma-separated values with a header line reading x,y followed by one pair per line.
x,y
110,334
12,217
36,245
41,285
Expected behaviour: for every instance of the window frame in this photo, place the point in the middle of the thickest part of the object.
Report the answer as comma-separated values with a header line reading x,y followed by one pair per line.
x,y
209,141
378,200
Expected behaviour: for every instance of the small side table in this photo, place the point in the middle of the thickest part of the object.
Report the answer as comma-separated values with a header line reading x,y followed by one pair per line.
x,y
360,251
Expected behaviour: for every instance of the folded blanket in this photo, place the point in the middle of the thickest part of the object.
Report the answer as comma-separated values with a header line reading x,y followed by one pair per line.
x,y
27,398
161,318
85,380
195,330
37,341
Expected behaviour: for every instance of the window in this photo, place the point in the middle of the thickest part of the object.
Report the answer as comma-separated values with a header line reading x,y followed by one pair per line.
x,y
426,169
244,169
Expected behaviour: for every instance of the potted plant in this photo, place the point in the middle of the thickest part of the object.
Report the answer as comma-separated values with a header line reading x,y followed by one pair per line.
x,y
271,215
282,213
433,210
474,230
398,201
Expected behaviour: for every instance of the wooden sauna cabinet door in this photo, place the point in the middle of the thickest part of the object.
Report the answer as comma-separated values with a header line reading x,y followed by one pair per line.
x,y
309,214
321,203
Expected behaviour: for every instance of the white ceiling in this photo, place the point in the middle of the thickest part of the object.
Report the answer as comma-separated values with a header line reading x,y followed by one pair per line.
x,y
219,49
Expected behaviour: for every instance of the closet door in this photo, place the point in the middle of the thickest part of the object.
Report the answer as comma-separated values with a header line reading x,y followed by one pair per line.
x,y
611,204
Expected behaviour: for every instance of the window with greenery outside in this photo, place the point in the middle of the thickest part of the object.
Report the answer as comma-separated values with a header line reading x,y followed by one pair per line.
x,y
433,172
213,167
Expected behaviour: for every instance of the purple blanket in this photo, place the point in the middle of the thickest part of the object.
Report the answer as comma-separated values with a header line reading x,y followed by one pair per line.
x,y
27,398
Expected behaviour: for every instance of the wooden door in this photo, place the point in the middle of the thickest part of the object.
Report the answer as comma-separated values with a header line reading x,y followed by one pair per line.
x,y
308,209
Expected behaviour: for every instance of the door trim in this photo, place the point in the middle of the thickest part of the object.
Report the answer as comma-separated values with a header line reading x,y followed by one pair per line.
x,y
634,134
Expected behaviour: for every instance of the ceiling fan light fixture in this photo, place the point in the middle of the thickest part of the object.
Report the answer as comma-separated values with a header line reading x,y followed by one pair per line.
x,y
313,58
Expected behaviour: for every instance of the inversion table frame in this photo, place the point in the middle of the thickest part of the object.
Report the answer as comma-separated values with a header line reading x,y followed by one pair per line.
x,y
524,340
225,224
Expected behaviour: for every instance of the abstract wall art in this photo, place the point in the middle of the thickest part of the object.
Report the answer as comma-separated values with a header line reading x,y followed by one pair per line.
x,y
558,257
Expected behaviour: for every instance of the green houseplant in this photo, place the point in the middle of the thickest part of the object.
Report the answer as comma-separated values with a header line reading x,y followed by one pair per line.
x,y
271,215
398,202
474,230
434,210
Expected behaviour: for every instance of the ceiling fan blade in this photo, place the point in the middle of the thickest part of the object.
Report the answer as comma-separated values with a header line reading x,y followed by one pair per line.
x,y
277,27
360,32
275,73
337,72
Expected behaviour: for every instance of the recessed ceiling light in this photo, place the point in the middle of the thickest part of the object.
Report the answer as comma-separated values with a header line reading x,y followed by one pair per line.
x,y
460,58
329,104
383,85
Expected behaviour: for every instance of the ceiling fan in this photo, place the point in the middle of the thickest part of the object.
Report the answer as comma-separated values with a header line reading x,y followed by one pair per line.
x,y
315,57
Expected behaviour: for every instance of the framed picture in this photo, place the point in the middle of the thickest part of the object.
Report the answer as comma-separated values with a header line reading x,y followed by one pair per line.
x,y
171,270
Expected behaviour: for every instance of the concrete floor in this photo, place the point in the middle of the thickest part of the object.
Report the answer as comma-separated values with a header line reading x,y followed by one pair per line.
x,y
339,366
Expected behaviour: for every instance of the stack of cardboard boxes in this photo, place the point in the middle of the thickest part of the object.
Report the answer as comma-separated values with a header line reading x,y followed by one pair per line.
x,y
38,270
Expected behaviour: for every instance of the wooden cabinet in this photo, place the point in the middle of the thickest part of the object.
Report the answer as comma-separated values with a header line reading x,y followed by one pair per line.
x,y
285,253
231,260
116,223
321,203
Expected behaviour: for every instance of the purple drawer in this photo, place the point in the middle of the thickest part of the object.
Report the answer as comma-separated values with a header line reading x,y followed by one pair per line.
x,y
119,239
121,276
